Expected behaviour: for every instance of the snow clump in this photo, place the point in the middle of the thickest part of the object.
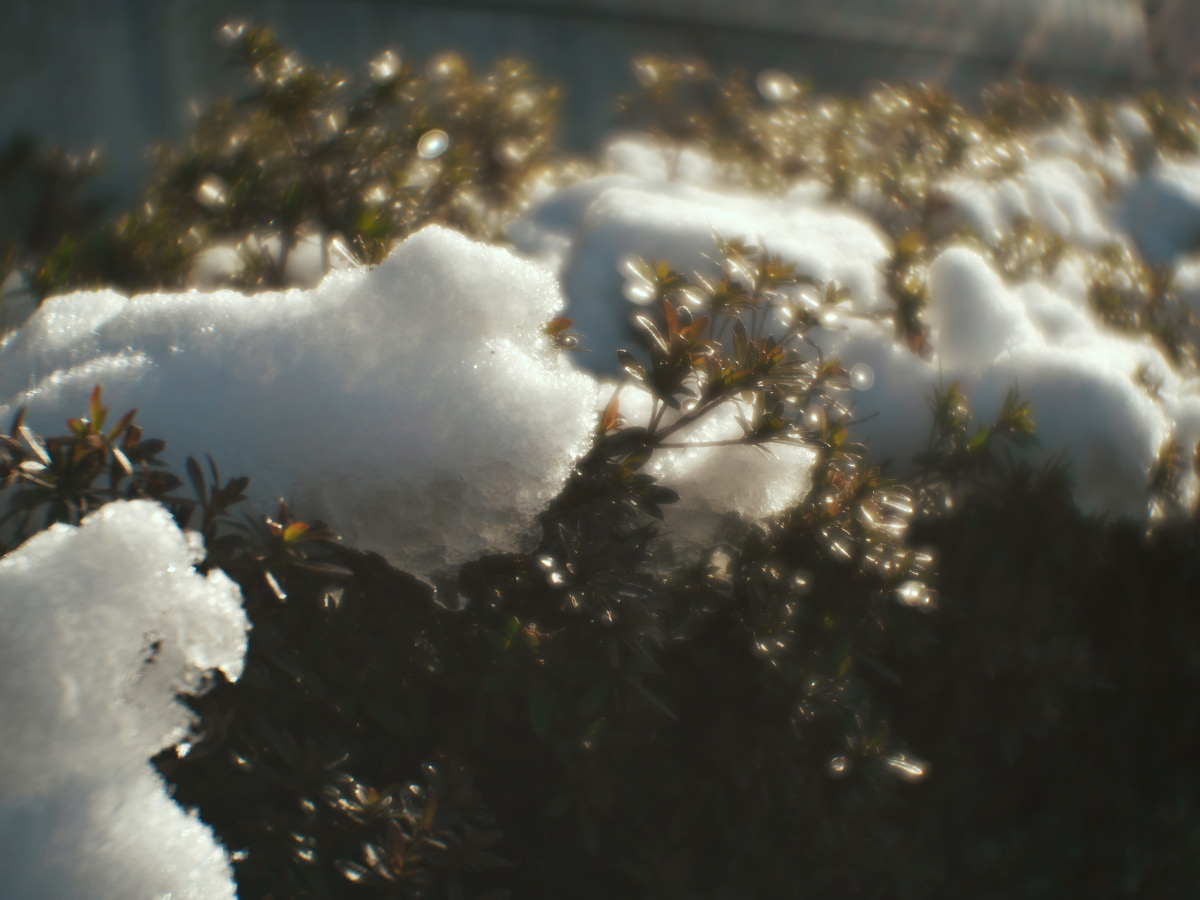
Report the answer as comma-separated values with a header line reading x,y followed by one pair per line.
x,y
1087,385
587,231
415,407
101,626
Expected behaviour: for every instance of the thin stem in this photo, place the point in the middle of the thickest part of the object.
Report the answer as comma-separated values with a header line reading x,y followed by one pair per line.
x,y
688,418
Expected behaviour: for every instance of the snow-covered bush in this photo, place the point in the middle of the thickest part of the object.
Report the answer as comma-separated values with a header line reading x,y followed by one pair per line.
x,y
899,457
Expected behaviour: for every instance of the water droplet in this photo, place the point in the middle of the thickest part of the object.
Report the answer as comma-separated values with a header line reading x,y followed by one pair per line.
x,y
915,594
862,377
838,767
212,193
446,66
433,144
385,67
777,86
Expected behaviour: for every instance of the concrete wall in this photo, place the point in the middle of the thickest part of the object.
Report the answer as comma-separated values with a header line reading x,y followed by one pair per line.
x,y
124,73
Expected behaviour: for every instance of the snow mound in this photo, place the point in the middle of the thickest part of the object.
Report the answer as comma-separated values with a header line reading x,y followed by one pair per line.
x,y
1057,194
588,229
1161,211
415,407
1083,381
100,627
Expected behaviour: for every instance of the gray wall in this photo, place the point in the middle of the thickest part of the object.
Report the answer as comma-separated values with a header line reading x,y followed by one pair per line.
x,y
124,73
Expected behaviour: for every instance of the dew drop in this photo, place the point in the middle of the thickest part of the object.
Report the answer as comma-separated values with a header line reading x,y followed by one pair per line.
x,y
385,67
433,144
777,86
212,193
915,594
862,377
838,767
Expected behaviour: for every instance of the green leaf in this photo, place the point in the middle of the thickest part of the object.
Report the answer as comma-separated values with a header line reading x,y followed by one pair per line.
x,y
595,696
539,710
559,805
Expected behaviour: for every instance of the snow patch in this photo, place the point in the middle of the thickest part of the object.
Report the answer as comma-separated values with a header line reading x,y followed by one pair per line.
x,y
100,627
415,407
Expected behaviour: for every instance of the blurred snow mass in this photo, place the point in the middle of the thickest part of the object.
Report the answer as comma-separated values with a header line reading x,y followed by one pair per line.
x,y
100,627
1087,383
415,407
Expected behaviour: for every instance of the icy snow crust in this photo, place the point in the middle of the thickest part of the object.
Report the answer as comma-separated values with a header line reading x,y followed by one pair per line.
x,y
415,407
100,626
1084,380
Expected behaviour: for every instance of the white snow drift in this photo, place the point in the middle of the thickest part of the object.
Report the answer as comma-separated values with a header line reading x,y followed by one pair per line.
x,y
415,407
100,627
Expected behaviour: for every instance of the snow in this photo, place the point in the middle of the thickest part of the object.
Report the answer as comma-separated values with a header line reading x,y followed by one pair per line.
x,y
1057,194
716,482
589,229
1039,336
1081,380
1161,211
414,407
100,627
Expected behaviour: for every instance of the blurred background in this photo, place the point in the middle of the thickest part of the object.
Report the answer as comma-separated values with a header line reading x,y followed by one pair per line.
x,y
124,74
